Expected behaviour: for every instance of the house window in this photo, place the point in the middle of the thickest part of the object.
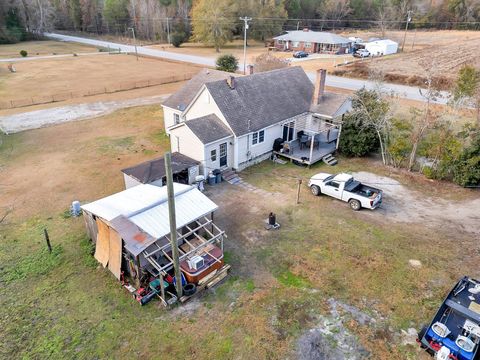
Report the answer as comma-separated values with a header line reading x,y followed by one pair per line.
x,y
295,43
213,155
308,45
176,119
258,137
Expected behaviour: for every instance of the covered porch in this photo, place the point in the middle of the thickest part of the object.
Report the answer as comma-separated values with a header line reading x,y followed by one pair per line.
x,y
308,139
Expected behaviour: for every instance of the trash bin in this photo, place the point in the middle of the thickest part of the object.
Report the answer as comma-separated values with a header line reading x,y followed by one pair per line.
x,y
212,179
218,175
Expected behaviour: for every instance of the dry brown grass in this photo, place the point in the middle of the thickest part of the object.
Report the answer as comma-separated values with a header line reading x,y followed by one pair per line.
x,y
44,48
56,76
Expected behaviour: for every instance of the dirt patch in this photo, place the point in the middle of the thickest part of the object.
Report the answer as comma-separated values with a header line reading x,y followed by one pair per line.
x,y
40,118
331,339
403,204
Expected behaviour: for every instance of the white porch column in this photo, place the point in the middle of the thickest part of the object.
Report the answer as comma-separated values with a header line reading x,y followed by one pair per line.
x,y
311,148
235,152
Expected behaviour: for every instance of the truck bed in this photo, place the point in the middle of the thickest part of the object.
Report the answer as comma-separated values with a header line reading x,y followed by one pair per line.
x,y
358,188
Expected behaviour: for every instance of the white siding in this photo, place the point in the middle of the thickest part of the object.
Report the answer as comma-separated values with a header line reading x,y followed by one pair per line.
x,y
183,140
212,165
130,181
168,117
248,152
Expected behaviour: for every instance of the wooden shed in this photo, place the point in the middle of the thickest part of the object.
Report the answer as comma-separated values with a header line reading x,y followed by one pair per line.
x,y
184,169
131,232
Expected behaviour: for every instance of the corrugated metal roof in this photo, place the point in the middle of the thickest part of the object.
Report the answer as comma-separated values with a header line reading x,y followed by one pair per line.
x,y
146,206
314,37
189,206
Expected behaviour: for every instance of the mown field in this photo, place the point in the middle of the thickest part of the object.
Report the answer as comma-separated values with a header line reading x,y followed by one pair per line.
x,y
282,284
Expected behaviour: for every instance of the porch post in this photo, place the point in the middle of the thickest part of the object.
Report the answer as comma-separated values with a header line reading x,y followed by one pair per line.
x,y
339,132
311,149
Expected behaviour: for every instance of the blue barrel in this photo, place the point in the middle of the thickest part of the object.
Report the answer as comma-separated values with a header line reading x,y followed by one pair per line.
x,y
219,178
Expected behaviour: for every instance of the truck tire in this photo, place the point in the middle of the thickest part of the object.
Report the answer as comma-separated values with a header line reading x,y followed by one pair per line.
x,y
421,334
315,190
355,204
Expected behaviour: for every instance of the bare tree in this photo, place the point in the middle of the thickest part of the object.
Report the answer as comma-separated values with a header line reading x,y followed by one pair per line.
x,y
384,13
426,118
336,10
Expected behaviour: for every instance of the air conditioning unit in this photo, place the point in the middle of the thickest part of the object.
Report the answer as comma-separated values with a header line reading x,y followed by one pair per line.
x,y
196,262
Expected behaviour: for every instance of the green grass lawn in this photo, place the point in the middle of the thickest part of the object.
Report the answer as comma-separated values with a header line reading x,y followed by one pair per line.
x,y
63,305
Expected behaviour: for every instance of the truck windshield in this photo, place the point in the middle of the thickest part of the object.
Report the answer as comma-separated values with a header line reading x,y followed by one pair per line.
x,y
329,178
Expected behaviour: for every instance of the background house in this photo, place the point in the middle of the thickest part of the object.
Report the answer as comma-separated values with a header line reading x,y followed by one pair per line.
x,y
313,42
234,123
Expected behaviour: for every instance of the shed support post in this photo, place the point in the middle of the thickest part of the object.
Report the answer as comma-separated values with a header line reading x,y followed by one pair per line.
x,y
162,288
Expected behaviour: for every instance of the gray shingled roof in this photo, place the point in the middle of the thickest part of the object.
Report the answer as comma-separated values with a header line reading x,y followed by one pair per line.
x,y
180,99
314,37
208,128
263,99
330,103
153,170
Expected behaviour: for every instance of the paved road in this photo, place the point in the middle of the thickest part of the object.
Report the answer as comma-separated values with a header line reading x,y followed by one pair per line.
x,y
407,92
141,50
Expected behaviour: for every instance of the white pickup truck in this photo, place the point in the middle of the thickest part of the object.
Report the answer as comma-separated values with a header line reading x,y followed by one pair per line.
x,y
344,187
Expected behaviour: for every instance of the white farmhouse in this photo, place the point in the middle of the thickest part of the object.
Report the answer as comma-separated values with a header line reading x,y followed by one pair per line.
x,y
235,122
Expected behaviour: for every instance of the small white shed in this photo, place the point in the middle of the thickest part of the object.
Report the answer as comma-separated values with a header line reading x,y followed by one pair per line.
x,y
381,47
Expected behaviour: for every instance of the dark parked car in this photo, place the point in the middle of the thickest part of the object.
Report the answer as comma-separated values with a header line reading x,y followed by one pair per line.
x,y
300,54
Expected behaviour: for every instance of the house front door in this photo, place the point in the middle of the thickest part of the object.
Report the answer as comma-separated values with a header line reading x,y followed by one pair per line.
x,y
223,154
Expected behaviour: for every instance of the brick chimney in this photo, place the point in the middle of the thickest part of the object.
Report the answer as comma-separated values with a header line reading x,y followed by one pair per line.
x,y
319,90
231,82
250,69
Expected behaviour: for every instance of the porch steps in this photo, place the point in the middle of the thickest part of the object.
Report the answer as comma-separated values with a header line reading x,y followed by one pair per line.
x,y
231,177
329,160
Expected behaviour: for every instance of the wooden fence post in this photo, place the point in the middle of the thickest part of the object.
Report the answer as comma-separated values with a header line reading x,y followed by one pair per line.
x,y
47,239
298,190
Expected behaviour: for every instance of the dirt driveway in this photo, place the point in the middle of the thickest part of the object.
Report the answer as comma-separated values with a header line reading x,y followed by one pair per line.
x,y
402,204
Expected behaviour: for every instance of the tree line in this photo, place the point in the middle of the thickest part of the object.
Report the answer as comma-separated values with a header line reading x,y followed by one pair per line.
x,y
155,20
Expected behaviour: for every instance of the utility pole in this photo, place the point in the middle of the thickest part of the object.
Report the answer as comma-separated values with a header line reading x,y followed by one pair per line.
x,y
168,31
409,18
134,41
298,25
245,20
173,224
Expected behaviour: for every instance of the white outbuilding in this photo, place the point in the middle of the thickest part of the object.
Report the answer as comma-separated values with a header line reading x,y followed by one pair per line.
x,y
382,47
